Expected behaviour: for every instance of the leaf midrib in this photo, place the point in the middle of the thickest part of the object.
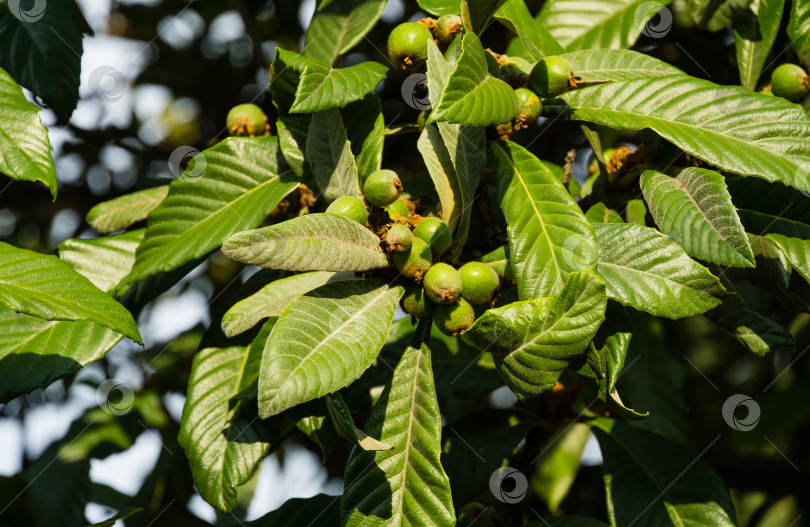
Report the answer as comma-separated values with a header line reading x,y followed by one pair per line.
x,y
409,434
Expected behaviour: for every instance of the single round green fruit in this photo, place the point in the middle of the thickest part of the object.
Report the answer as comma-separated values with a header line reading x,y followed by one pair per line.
x,y
351,207
416,303
443,284
454,319
479,282
397,209
551,77
414,262
382,187
246,120
407,44
436,233
447,27
530,106
789,81
399,238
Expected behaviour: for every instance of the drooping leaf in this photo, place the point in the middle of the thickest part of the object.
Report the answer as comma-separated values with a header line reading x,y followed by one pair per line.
x,y
365,128
292,139
797,252
646,270
549,236
330,158
104,261
407,484
534,36
321,87
42,48
589,24
559,463
323,341
121,212
25,150
476,14
223,447
234,186
321,510
315,242
471,95
758,334
655,482
35,352
440,7
729,127
714,15
693,207
341,417
754,35
46,287
798,30
599,65
533,341
340,25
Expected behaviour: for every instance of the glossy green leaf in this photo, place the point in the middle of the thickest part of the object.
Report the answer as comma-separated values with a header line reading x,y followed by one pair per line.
x,y
599,65
476,14
406,485
652,481
755,332
499,260
588,24
315,242
323,341
339,26
535,37
121,212
292,139
222,445
636,212
754,35
42,48
729,127
693,207
558,464
25,150
798,30
646,270
548,234
233,186
318,511
471,95
35,352
599,213
797,252
46,287
341,417
104,261
439,70
714,15
441,7
365,128
330,158
533,341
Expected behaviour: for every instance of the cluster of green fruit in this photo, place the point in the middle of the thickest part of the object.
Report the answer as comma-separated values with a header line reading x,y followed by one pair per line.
x,y
790,81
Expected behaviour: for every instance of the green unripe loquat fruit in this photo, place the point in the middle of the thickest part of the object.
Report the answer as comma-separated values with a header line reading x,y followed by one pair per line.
x,y
454,319
414,262
443,284
382,187
789,81
351,207
447,27
399,238
551,77
530,107
416,303
407,44
246,120
436,233
479,282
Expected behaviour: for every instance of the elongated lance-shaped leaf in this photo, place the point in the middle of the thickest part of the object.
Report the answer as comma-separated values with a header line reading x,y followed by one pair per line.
x,y
439,70
652,481
455,156
536,39
476,14
344,424
548,234
533,341
323,341
46,287
35,352
104,261
223,446
472,96
693,207
798,30
729,127
646,270
330,158
321,87
232,187
365,129
121,212
754,35
755,332
599,65
714,15
406,485
271,300
589,24
339,26
25,150
315,242
292,139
